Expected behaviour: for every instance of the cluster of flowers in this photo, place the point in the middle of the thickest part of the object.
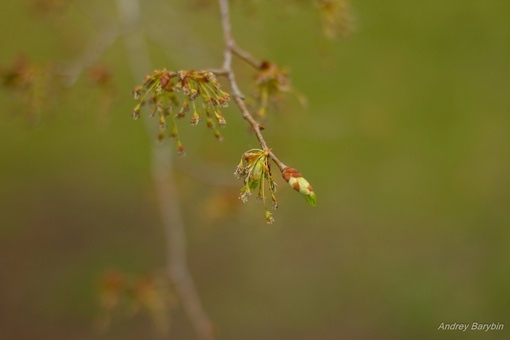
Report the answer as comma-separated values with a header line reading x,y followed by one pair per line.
x,y
255,170
336,18
123,295
272,83
32,85
201,95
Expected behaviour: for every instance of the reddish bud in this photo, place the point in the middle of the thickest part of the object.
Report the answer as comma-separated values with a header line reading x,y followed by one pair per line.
x,y
180,148
164,81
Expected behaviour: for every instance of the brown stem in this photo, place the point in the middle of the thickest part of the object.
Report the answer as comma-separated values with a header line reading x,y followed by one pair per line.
x,y
236,93
247,57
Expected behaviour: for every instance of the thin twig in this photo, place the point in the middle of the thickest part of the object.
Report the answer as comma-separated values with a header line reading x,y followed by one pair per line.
x,y
94,51
219,72
246,56
99,16
166,188
236,93
161,29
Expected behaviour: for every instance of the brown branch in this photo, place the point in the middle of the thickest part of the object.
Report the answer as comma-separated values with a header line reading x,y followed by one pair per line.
x,y
236,93
246,56
166,187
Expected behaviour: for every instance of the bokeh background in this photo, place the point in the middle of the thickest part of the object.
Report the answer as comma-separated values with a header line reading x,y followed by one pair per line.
x,y
406,141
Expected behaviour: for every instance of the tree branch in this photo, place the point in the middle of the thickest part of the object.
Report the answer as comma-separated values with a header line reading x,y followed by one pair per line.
x,y
166,188
236,93
95,50
247,57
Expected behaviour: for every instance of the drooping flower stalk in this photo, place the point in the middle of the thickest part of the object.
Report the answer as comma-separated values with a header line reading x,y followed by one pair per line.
x,y
201,94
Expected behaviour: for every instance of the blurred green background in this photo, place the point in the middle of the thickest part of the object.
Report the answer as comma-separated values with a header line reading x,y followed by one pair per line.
x,y
406,141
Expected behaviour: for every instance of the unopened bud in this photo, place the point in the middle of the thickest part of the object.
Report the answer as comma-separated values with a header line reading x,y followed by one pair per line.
x,y
161,136
269,217
219,117
300,184
195,118
136,113
180,148
165,79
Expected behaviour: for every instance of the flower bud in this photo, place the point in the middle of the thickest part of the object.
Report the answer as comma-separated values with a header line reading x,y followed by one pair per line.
x,y
300,184
165,80
136,113
195,118
180,148
268,216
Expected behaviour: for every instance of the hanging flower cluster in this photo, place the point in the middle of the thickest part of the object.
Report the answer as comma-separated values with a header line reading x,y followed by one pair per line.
x,y
255,170
336,18
121,294
32,85
271,83
201,95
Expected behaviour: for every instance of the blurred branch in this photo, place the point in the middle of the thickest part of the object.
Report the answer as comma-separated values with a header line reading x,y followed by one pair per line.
x,y
98,15
166,186
161,29
247,57
236,93
94,51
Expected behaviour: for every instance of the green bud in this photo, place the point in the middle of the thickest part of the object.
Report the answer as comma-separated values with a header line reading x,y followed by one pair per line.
x,y
269,217
300,184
